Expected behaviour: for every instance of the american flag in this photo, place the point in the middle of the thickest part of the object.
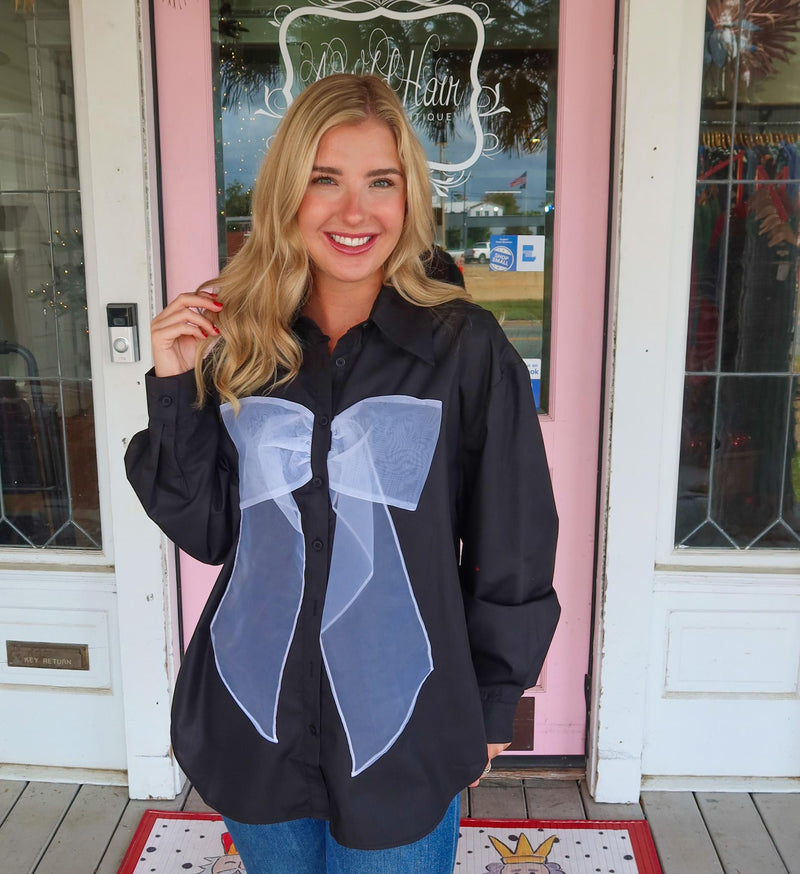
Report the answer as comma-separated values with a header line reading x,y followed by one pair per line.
x,y
520,181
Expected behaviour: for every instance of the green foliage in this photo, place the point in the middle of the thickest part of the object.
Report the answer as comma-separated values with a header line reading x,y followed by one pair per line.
x,y
237,199
515,310
507,201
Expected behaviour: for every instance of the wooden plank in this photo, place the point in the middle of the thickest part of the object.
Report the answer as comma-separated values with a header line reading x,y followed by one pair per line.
x,y
781,815
195,804
10,791
84,833
553,799
123,834
599,810
679,833
497,799
739,835
32,822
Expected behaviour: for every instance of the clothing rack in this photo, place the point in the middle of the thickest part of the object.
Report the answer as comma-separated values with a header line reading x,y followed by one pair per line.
x,y
722,139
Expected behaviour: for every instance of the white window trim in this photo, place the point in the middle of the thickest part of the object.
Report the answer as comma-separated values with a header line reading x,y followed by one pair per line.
x,y
658,102
116,147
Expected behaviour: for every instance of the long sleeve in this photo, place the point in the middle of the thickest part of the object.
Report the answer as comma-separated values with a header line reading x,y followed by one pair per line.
x,y
183,468
509,534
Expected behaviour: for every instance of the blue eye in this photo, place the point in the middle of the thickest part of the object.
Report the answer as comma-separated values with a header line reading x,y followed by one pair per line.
x,y
383,183
322,180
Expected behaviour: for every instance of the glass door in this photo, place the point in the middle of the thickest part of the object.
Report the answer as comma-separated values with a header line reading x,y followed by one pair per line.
x,y
48,471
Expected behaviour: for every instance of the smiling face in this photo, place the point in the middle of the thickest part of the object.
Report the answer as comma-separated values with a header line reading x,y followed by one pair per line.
x,y
352,214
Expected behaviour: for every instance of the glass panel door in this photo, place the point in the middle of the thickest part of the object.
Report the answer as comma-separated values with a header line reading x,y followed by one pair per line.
x,y
739,478
492,168
48,471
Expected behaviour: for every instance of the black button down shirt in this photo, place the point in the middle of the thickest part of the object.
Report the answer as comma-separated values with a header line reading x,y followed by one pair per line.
x,y
479,551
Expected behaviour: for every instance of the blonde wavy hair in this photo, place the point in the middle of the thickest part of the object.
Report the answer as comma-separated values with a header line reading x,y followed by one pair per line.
x,y
266,284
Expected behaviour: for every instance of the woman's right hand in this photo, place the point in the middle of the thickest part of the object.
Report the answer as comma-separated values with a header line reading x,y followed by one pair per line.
x,y
178,328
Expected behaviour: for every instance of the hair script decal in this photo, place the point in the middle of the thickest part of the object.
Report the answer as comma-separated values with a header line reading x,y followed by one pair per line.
x,y
417,73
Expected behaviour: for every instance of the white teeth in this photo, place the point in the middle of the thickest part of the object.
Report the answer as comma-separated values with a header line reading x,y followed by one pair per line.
x,y
353,242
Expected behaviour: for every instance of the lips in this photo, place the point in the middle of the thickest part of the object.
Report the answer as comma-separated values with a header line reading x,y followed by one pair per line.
x,y
350,244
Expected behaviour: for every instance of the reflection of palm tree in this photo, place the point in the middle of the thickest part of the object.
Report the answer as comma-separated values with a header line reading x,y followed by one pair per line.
x,y
759,32
244,69
521,62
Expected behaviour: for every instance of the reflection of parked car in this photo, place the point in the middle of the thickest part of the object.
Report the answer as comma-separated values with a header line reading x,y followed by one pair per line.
x,y
479,252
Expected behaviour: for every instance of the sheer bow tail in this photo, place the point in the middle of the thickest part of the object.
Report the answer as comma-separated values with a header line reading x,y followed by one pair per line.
x,y
374,643
254,624
376,650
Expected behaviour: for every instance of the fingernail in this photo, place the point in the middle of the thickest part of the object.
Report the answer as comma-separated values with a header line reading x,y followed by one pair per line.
x,y
216,329
204,333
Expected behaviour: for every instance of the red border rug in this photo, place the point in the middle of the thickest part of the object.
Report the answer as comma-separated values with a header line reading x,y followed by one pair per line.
x,y
191,843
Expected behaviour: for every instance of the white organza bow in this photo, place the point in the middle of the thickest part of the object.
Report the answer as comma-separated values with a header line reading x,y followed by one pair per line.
x,y
374,643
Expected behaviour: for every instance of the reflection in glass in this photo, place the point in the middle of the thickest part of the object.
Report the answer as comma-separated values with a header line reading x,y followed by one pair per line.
x,y
751,491
48,473
493,165
46,500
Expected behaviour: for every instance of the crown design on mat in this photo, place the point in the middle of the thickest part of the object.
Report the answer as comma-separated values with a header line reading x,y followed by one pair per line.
x,y
228,845
524,852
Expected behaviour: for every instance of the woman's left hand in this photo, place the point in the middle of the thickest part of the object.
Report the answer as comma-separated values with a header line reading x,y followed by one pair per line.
x,y
492,750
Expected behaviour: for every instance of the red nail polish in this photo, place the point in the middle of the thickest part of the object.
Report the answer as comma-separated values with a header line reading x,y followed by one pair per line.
x,y
204,333
216,329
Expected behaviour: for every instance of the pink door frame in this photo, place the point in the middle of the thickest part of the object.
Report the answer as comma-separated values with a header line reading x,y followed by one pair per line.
x,y
585,80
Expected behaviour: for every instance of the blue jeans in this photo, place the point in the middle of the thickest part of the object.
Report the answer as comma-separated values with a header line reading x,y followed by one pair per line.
x,y
305,846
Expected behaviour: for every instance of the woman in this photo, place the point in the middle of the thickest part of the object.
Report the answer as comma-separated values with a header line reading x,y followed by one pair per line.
x,y
365,461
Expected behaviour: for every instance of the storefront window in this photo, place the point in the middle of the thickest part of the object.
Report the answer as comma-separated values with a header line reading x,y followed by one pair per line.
x,y
478,83
739,479
48,472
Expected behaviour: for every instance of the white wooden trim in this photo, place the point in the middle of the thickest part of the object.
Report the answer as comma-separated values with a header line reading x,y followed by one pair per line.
x,y
658,106
66,558
114,111
690,783
732,583
47,774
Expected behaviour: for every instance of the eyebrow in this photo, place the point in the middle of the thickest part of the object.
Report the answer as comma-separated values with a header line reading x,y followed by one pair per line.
x,y
334,171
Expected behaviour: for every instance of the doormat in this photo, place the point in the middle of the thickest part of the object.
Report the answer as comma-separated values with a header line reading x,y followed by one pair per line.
x,y
198,843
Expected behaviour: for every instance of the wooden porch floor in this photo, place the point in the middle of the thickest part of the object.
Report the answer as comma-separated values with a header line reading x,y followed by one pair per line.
x,y
57,828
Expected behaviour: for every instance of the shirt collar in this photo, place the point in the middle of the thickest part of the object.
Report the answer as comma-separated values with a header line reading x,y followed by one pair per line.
x,y
404,323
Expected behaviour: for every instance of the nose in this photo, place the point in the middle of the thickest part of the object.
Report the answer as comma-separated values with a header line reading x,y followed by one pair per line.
x,y
353,209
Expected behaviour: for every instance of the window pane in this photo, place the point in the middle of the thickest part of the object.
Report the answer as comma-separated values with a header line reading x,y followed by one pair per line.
x,y
47,498
739,469
761,280
48,471
492,168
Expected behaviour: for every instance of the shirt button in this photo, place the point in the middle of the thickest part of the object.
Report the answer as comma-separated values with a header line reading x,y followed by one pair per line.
x,y
323,421
166,401
312,729
317,545
340,362
316,482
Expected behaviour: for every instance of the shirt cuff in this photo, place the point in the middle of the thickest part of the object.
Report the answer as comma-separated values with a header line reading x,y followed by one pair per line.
x,y
498,720
168,395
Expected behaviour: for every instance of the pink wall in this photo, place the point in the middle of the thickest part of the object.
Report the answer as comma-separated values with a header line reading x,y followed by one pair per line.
x,y
571,430
581,220
188,190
